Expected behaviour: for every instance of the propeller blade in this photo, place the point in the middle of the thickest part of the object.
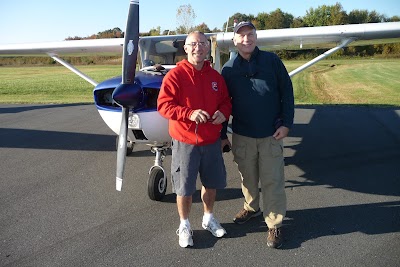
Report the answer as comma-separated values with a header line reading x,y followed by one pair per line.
x,y
121,151
131,44
121,94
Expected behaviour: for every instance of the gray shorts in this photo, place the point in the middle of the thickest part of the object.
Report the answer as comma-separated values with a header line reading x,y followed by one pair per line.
x,y
190,160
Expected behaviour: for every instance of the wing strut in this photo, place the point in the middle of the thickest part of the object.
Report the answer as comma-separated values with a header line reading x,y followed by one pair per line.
x,y
344,43
73,69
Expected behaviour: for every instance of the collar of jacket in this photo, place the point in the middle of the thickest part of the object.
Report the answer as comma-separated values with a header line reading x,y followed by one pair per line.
x,y
188,66
253,55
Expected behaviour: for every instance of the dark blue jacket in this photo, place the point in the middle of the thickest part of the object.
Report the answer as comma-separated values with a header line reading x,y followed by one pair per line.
x,y
261,92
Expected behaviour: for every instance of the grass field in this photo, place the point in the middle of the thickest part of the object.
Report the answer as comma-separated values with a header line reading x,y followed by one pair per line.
x,y
346,81
361,81
51,84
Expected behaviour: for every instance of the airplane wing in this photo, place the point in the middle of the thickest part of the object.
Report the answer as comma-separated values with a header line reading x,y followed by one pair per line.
x,y
330,37
78,47
333,37
65,47
291,38
73,47
321,37
148,45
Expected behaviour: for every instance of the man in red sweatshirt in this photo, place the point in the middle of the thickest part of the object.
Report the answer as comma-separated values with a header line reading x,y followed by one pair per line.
x,y
195,99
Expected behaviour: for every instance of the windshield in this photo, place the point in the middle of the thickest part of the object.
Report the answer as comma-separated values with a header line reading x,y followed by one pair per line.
x,y
164,50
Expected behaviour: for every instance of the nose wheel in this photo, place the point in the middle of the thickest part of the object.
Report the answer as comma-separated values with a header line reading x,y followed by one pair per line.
x,y
157,183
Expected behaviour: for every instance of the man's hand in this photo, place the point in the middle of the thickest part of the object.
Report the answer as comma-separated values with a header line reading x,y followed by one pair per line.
x,y
225,142
218,117
199,116
281,132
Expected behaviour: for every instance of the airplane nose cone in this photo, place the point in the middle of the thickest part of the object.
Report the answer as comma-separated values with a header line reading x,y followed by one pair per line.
x,y
129,95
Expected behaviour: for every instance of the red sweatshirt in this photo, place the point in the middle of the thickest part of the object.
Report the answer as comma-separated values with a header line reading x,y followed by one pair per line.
x,y
185,89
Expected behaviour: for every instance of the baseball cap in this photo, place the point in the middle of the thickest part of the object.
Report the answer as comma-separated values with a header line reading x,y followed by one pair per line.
x,y
242,24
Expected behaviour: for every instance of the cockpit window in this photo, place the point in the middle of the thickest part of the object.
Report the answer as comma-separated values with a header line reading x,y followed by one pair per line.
x,y
148,63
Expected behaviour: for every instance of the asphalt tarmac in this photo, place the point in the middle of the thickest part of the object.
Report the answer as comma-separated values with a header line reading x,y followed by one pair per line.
x,y
59,206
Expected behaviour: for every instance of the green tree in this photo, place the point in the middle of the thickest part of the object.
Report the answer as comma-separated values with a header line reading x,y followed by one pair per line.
x,y
155,32
375,17
216,30
357,16
261,21
394,18
181,29
325,15
278,20
238,17
337,15
297,23
202,27
110,33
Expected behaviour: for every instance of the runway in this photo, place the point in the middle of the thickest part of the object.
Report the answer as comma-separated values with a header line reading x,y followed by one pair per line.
x,y
59,206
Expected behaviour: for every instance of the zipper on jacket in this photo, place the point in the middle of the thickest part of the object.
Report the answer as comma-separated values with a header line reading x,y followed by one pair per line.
x,y
195,131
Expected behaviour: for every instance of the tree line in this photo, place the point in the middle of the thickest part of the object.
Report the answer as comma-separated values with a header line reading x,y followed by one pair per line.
x,y
324,15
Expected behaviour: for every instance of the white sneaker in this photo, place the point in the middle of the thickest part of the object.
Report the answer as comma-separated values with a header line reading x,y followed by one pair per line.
x,y
214,227
185,237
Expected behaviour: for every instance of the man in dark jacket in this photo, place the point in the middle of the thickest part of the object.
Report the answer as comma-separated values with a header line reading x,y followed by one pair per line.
x,y
263,111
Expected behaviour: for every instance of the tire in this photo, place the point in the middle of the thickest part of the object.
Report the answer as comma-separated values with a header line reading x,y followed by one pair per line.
x,y
156,186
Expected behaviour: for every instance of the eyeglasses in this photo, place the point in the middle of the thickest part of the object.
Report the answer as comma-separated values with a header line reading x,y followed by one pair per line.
x,y
199,44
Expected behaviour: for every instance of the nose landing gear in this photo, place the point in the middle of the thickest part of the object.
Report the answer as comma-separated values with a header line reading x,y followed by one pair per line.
x,y
157,183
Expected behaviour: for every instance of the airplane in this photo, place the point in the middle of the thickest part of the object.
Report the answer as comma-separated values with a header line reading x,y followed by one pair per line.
x,y
128,103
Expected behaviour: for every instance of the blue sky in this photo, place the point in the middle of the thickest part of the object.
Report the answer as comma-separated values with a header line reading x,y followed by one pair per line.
x,y
54,20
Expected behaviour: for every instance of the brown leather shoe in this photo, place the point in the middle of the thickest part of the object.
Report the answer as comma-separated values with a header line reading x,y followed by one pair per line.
x,y
245,215
274,239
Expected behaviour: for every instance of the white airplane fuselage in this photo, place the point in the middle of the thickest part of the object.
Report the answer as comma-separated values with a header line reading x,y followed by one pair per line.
x,y
151,123
145,124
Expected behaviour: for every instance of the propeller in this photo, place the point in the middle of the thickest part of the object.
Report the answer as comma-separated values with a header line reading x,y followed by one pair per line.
x,y
128,94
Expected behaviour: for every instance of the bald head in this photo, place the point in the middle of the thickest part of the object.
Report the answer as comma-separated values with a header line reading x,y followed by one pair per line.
x,y
196,47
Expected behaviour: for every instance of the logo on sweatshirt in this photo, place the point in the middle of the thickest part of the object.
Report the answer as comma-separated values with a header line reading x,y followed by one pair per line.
x,y
214,86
